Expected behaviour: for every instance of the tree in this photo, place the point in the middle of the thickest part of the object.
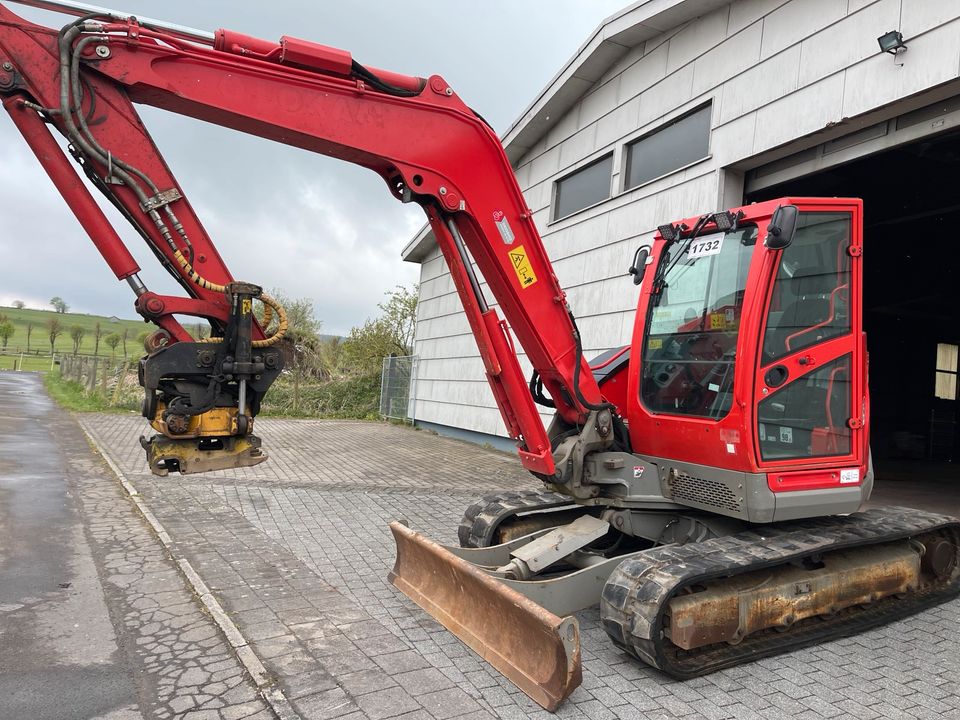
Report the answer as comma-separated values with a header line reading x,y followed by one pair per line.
x,y
112,340
301,341
201,331
19,304
59,305
390,334
29,333
6,332
400,315
329,357
123,338
54,330
97,334
76,334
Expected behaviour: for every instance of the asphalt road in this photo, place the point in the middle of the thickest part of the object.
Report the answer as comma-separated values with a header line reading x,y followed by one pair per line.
x,y
95,620
60,656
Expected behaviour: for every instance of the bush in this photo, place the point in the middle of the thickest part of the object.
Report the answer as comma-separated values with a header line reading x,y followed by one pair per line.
x,y
350,397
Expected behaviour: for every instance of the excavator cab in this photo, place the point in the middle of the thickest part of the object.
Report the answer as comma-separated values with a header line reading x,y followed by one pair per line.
x,y
753,360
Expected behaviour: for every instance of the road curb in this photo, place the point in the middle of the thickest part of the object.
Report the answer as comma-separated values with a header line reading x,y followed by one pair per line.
x,y
269,691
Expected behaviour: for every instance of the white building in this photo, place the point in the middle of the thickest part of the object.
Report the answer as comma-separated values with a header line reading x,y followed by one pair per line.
x,y
674,108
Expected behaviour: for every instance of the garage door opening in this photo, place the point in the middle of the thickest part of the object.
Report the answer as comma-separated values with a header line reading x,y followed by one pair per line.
x,y
911,198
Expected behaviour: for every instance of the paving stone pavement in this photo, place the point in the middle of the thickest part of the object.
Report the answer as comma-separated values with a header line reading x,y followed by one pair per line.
x,y
297,550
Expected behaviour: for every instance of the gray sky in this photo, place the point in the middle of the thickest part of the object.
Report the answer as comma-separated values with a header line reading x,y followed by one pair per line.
x,y
281,217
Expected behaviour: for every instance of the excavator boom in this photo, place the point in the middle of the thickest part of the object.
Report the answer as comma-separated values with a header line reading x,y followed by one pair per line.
x,y
417,134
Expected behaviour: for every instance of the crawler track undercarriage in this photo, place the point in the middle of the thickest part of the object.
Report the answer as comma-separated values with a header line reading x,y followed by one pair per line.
x,y
693,608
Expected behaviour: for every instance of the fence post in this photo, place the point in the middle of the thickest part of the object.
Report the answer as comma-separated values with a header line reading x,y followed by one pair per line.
x,y
92,377
103,380
412,390
115,398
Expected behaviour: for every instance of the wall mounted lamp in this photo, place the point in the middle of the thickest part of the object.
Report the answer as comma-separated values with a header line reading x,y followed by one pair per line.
x,y
892,42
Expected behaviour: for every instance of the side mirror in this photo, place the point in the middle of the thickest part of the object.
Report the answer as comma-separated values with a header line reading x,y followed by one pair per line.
x,y
639,266
782,226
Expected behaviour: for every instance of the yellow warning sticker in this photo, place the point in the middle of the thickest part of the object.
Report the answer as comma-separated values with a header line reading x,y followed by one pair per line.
x,y
521,266
655,344
718,321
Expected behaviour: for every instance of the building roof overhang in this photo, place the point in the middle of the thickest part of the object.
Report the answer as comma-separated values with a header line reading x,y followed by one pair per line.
x,y
613,38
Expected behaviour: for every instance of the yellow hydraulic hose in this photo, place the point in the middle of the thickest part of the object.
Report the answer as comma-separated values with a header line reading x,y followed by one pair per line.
x,y
270,304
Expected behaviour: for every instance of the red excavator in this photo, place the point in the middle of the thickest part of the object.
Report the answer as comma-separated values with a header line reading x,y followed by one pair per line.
x,y
702,484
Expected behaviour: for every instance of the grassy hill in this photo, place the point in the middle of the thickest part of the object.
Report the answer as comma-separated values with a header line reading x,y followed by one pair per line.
x,y
40,335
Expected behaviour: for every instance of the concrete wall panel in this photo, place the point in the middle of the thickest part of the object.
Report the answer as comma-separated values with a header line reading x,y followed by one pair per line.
x,y
791,23
778,72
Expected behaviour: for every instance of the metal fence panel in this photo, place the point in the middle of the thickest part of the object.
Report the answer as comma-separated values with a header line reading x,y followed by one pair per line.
x,y
397,387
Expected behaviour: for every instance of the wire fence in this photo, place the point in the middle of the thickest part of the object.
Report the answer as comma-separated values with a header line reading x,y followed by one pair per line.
x,y
24,361
114,381
397,385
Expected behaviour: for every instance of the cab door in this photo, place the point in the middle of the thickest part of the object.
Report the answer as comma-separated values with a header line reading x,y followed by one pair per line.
x,y
810,398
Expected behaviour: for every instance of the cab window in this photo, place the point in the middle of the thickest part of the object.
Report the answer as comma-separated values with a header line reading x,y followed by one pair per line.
x,y
811,295
690,348
808,418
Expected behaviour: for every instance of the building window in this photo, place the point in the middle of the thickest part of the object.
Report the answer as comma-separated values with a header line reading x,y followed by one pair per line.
x,y
945,386
669,148
583,188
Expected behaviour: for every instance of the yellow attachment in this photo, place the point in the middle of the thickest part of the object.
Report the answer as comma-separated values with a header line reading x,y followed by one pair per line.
x,y
218,422
190,456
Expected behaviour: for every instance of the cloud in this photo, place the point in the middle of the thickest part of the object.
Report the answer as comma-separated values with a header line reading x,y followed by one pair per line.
x,y
282,217
314,242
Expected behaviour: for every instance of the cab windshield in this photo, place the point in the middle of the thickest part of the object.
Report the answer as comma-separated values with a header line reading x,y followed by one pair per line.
x,y
690,344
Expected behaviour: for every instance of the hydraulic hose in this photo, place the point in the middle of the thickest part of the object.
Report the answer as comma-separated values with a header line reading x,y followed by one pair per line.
x,y
71,99
597,407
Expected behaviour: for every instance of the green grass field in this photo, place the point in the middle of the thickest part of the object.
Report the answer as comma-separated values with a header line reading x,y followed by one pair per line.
x,y
40,335
31,363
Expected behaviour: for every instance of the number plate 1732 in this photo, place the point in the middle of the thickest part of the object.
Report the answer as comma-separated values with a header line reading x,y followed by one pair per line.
x,y
706,245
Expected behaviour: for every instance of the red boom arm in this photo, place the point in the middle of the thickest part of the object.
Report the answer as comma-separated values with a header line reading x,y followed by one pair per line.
x,y
417,135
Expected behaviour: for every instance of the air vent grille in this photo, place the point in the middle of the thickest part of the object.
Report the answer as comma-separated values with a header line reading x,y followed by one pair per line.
x,y
686,488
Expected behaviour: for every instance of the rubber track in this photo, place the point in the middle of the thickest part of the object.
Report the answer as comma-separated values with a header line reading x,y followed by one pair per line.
x,y
635,597
481,520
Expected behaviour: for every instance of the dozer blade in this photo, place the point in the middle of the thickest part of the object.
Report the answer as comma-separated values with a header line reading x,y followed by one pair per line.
x,y
536,650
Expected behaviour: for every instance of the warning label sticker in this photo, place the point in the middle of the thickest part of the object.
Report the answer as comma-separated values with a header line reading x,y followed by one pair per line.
x,y
503,225
849,476
521,266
